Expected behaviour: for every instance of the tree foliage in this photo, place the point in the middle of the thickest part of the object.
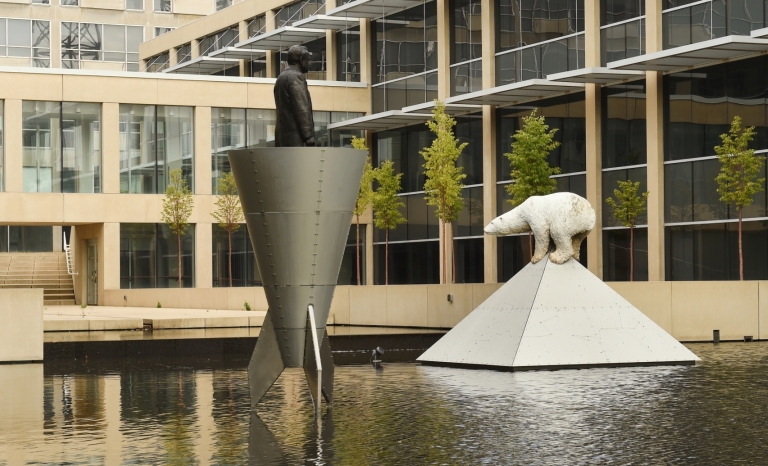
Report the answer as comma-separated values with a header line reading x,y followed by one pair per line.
x,y
229,212
737,182
531,171
387,205
629,204
177,208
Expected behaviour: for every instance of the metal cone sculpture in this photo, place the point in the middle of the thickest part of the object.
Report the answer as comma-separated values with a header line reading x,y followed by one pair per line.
x,y
298,204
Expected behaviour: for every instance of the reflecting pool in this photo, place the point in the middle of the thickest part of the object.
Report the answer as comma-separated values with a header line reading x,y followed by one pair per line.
x,y
178,412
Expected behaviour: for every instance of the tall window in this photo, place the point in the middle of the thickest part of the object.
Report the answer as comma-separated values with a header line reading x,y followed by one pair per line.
x,y
622,29
257,25
159,31
162,6
149,256
69,2
704,20
184,53
405,58
245,272
348,55
84,42
134,4
26,39
61,147
153,141
466,65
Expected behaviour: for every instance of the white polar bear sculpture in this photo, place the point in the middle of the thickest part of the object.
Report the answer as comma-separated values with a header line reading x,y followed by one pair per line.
x,y
565,218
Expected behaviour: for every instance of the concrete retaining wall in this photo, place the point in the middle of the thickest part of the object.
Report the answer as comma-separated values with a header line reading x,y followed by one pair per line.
x,y
21,325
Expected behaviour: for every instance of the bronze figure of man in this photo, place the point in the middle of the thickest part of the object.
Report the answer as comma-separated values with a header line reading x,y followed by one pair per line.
x,y
295,125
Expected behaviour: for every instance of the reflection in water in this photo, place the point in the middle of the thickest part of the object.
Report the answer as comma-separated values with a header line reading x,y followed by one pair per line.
x,y
405,414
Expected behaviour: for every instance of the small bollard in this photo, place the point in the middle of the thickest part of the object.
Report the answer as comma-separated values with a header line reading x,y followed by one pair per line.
x,y
748,338
715,336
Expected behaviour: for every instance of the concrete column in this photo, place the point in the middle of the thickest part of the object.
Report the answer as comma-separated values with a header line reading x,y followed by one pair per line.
x,y
490,243
110,147
592,33
203,183
242,28
173,58
195,49
368,250
271,57
330,55
109,259
489,46
203,254
57,238
595,177
443,49
654,107
366,60
13,147
55,44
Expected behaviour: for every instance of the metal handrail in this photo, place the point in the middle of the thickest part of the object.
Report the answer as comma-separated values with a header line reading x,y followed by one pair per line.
x,y
68,254
316,344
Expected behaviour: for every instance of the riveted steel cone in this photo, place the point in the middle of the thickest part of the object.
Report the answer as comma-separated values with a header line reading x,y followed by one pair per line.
x,y
298,204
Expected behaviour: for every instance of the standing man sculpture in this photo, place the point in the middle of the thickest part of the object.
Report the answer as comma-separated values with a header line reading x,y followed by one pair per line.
x,y
298,201
295,125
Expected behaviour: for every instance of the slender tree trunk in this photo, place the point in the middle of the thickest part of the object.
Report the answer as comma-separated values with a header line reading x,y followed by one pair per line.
x,y
741,251
632,253
229,238
453,252
178,237
445,264
357,249
386,257
530,246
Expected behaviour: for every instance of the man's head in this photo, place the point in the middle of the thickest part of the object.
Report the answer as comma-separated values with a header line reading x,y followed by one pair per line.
x,y
299,55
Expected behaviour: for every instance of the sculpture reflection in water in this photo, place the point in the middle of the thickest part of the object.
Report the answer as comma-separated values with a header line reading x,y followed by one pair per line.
x,y
298,202
264,448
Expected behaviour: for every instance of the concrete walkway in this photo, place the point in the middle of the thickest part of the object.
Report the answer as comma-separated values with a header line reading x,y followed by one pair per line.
x,y
99,318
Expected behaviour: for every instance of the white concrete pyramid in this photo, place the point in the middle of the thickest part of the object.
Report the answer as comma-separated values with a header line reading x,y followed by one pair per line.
x,y
551,316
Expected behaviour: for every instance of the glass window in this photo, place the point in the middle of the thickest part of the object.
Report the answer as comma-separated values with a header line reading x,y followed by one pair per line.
x,y
221,4
41,2
295,11
214,42
158,63
257,25
134,4
616,254
611,180
614,11
25,239
175,144
710,251
514,253
61,147
69,2
101,42
227,133
622,41
159,31
184,53
470,221
624,135
316,62
261,127
343,137
469,260
466,31
529,22
348,270
406,43
162,6
467,77
409,263
23,38
348,63
149,256
245,271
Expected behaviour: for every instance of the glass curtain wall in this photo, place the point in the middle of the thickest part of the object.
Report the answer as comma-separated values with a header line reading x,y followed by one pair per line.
x,y
149,256
538,37
61,147
405,50
622,29
245,272
701,239
414,246
25,239
624,159
84,42
466,57
23,38
348,64
688,22
567,115
153,141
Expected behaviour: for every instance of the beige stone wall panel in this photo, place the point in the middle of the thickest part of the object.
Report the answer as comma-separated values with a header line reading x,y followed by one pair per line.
x,y
700,307
201,93
104,4
481,292
339,313
193,7
442,313
407,305
21,335
30,86
654,299
368,305
124,90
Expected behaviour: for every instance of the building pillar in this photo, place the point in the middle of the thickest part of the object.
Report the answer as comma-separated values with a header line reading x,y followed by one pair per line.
x,y
330,55
203,254
14,179
110,147
203,183
173,58
194,49
242,28
366,59
654,102
443,49
109,259
488,36
592,33
271,56
594,177
490,242
55,44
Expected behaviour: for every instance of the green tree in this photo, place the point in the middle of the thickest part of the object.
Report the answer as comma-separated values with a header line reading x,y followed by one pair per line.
x,y
387,205
229,212
737,182
627,207
177,208
364,197
531,172
443,186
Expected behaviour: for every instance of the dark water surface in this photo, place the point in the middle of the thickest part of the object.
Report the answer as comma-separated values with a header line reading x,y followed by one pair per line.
x,y
173,413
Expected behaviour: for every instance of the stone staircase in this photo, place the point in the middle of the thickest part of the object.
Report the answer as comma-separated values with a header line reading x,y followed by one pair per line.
x,y
46,270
